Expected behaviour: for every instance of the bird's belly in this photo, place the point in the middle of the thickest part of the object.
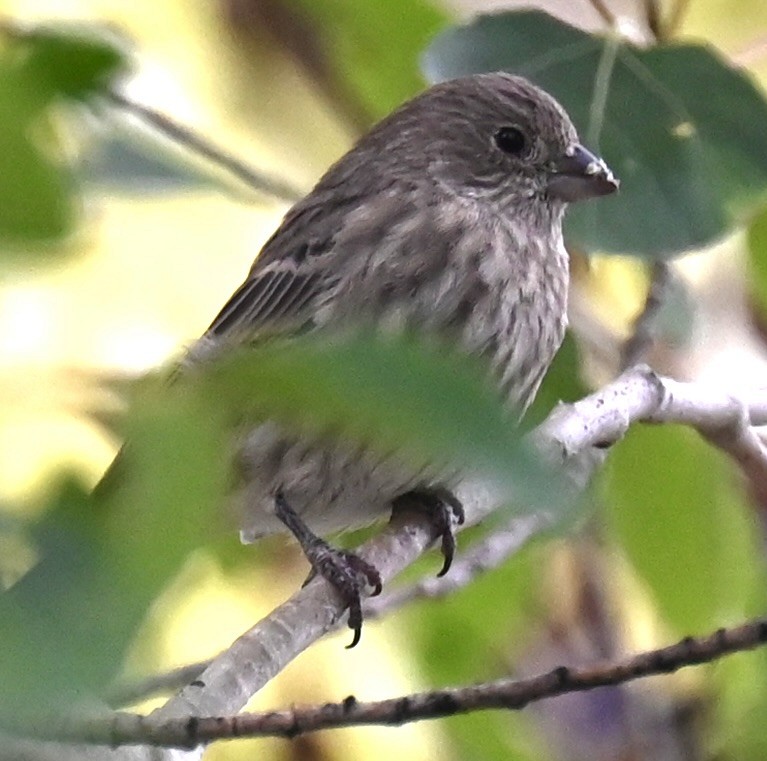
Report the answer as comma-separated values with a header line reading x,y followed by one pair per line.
x,y
331,484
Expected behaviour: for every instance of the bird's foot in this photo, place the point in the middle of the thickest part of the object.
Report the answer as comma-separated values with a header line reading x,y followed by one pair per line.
x,y
349,574
446,512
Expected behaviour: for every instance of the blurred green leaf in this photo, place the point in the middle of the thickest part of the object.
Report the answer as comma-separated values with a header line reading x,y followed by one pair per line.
x,y
474,634
692,166
757,260
69,61
395,395
677,510
372,47
38,201
58,623
741,705
104,558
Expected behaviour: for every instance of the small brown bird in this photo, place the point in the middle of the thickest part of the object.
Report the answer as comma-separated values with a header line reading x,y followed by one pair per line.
x,y
445,219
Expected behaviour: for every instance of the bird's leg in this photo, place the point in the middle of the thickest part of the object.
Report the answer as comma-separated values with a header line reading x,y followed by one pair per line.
x,y
347,572
445,510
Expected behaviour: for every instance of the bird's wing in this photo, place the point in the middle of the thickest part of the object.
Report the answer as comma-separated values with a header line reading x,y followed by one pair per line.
x,y
280,293
331,260
272,299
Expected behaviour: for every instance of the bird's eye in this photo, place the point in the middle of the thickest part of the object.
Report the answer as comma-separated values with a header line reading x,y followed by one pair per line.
x,y
511,140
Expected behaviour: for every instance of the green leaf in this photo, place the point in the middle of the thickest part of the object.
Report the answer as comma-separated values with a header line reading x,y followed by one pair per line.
x,y
473,634
692,165
36,203
372,47
70,61
56,621
104,558
678,512
741,705
128,162
757,260
393,395
38,68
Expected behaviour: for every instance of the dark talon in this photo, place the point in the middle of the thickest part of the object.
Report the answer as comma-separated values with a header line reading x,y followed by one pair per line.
x,y
445,510
348,573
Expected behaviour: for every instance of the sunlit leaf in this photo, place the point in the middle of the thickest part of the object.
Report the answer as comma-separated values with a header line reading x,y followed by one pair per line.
x,y
692,165
757,260
36,202
678,512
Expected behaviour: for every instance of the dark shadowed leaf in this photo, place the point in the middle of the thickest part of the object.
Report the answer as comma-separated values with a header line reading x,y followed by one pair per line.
x,y
691,165
137,165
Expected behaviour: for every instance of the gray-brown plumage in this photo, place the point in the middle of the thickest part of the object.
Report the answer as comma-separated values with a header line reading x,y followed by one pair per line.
x,y
444,219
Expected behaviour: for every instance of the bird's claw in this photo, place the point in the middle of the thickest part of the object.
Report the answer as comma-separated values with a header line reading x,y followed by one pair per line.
x,y
350,576
446,512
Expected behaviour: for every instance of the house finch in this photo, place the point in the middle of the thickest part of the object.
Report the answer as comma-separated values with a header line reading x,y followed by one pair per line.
x,y
446,219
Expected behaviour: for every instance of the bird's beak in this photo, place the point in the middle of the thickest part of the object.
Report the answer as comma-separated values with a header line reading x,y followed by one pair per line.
x,y
579,174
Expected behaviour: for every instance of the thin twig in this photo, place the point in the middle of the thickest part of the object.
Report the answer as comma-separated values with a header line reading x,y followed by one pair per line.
x,y
485,555
130,693
676,17
123,728
604,12
654,19
192,141
643,333
568,435
752,53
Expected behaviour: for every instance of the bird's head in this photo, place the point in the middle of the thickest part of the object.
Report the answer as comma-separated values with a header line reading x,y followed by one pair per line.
x,y
492,137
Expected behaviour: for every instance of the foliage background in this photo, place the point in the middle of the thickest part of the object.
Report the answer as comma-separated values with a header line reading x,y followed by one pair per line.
x,y
674,544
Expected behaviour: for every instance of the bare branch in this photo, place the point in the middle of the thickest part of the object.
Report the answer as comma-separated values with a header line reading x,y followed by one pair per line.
x,y
122,728
128,693
483,556
190,140
676,18
604,12
654,19
642,336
